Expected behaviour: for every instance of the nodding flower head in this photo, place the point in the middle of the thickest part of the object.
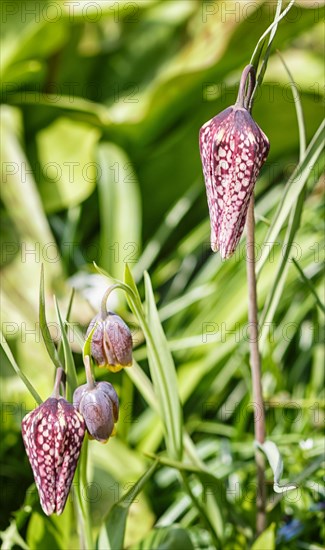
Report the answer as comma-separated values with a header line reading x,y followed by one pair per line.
x,y
233,150
111,343
98,403
53,435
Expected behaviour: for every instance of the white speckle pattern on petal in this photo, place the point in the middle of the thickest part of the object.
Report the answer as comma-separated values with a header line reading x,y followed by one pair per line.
x,y
233,149
53,450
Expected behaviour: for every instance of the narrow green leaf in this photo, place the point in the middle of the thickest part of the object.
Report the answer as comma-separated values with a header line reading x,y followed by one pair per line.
x,y
270,30
162,368
17,370
172,537
67,317
163,373
60,348
111,535
70,369
310,285
129,280
170,222
86,350
291,193
299,111
94,113
77,332
49,344
213,491
255,59
293,226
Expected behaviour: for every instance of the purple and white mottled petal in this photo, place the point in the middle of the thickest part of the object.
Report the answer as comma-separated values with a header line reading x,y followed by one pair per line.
x,y
233,150
53,435
99,406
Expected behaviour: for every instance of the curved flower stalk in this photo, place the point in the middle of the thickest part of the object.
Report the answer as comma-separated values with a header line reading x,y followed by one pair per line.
x,y
99,405
233,150
53,434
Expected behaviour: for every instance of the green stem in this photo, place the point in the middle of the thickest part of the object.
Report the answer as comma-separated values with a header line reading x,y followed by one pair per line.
x,y
246,90
89,374
103,306
59,377
83,506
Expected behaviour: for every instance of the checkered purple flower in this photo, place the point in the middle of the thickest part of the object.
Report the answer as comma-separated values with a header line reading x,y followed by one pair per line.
x,y
111,343
53,434
98,403
233,150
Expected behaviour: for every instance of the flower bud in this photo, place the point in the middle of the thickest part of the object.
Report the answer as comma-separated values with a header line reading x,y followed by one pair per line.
x,y
111,344
99,406
53,434
233,149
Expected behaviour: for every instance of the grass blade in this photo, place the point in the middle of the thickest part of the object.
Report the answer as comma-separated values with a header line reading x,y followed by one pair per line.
x,y
291,193
293,225
46,335
70,369
171,222
310,286
112,533
163,374
17,370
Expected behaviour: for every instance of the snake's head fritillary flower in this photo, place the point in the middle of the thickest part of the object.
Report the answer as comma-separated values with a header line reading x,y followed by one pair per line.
x,y
99,406
53,434
111,343
233,150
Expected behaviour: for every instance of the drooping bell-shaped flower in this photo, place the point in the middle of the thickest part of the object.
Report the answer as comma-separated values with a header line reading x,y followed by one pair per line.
x,y
233,149
111,343
53,434
98,403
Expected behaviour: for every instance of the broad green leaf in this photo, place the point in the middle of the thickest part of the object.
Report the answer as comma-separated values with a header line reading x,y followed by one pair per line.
x,y
66,166
50,532
20,195
120,209
38,38
266,540
112,533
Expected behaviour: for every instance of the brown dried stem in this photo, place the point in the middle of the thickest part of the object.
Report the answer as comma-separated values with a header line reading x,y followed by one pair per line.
x,y
255,362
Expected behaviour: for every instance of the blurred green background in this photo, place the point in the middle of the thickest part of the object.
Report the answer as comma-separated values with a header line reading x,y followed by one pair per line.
x,y
101,108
